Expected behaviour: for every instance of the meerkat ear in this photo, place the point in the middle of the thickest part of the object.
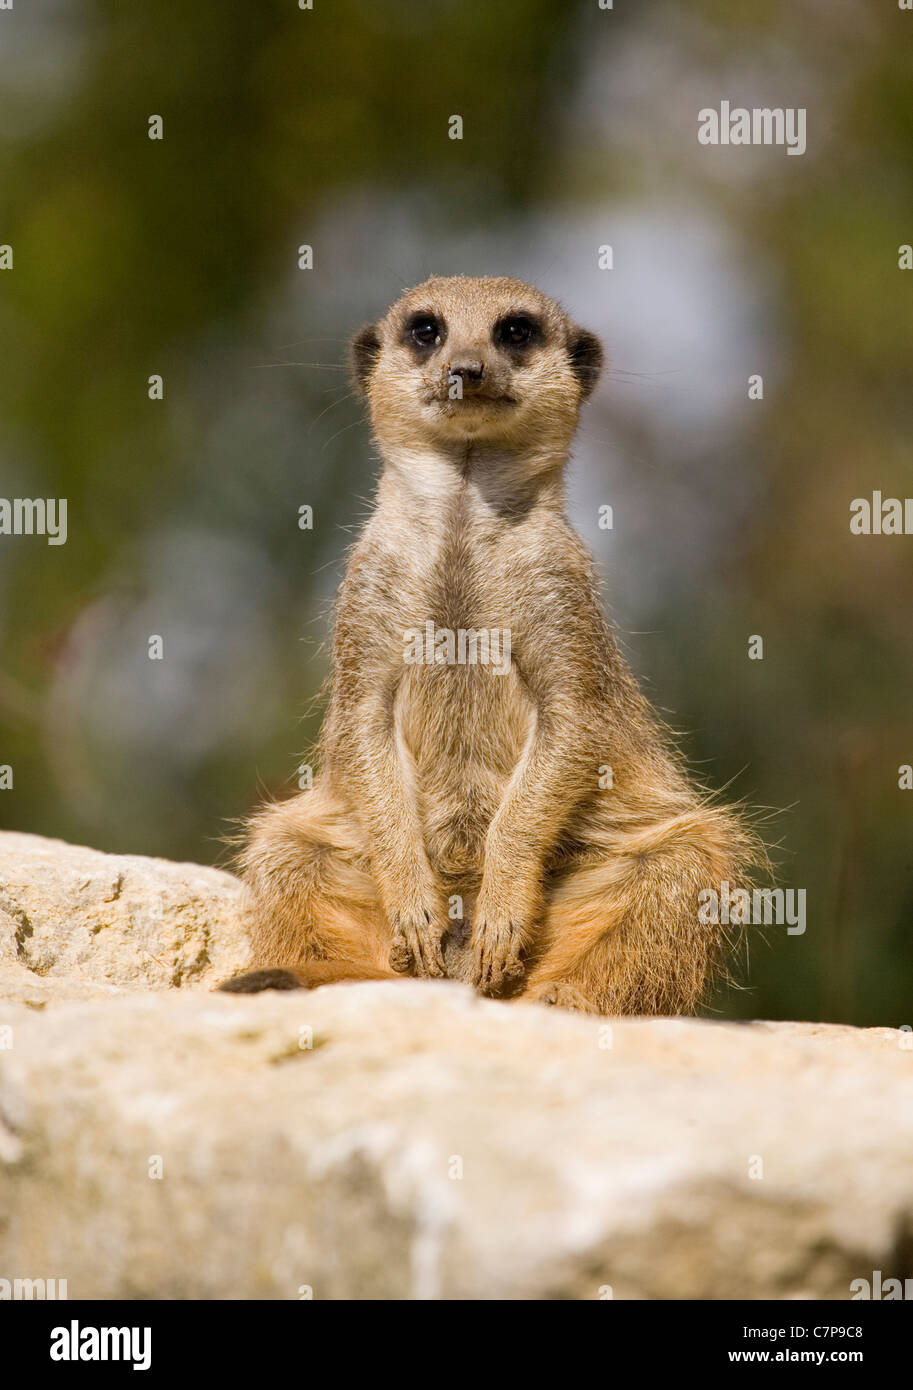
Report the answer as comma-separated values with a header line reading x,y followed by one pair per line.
x,y
363,353
587,357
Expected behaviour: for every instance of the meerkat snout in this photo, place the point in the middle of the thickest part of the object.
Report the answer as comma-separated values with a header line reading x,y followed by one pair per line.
x,y
469,372
466,361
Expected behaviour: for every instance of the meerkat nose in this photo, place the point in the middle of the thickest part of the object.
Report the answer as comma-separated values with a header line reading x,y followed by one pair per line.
x,y
469,370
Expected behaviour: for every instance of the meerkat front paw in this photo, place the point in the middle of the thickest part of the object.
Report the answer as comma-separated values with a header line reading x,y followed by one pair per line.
x,y
416,944
497,943
559,995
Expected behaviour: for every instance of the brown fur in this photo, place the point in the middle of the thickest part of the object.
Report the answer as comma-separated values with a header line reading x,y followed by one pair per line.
x,y
449,784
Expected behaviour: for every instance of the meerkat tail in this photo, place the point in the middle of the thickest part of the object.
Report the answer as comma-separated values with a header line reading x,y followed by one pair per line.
x,y
311,975
255,981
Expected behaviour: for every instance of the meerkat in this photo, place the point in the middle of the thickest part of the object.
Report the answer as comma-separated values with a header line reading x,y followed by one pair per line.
x,y
525,824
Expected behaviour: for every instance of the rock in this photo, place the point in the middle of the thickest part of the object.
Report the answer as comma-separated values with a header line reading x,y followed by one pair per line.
x,y
408,1140
75,923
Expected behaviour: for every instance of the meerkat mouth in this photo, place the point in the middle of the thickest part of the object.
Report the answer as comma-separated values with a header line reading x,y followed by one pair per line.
x,y
477,398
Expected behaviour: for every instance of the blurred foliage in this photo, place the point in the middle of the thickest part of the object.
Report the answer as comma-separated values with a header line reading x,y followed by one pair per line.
x,y
178,257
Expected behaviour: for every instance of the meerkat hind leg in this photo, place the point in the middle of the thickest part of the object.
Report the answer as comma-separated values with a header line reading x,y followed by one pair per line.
x,y
316,916
622,935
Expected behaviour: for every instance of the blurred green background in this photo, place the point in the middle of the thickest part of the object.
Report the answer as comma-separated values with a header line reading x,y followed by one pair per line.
x,y
328,127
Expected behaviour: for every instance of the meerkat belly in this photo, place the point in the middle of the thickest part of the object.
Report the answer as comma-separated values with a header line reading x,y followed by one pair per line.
x,y
464,726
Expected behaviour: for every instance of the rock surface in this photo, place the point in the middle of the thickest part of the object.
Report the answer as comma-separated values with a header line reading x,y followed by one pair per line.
x,y
75,923
408,1139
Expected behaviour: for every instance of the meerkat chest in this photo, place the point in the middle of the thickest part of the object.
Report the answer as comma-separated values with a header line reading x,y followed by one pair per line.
x,y
462,613
463,709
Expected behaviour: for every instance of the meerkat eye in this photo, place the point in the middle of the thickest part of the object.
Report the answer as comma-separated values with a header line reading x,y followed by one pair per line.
x,y
424,330
516,331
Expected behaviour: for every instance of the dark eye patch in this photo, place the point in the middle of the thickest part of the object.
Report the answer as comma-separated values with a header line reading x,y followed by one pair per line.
x,y
424,330
517,331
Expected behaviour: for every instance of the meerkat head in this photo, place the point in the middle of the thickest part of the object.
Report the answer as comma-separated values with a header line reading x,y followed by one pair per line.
x,y
460,361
